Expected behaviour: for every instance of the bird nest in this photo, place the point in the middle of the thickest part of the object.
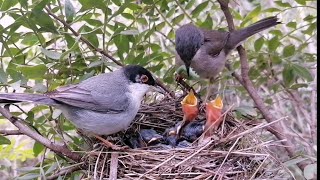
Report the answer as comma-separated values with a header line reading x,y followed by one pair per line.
x,y
235,151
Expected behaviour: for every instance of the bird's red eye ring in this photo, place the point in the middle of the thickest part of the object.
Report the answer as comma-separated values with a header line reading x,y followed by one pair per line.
x,y
144,78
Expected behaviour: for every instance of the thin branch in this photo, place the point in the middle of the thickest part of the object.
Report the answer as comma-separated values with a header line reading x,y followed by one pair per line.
x,y
5,132
101,51
248,85
57,148
84,40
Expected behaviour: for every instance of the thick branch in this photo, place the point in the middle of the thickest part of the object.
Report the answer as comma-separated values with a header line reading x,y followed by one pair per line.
x,y
275,129
57,148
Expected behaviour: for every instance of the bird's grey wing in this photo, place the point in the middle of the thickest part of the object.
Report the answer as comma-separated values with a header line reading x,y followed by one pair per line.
x,y
214,41
109,101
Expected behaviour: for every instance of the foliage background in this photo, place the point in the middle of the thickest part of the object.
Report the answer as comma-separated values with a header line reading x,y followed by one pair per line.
x,y
38,54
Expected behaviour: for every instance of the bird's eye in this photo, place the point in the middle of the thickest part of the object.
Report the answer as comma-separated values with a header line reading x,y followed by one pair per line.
x,y
144,78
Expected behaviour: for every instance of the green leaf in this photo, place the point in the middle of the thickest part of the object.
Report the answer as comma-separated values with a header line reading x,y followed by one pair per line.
x,y
272,10
4,140
208,23
298,85
292,25
254,13
302,2
302,72
195,13
32,72
7,4
51,54
88,4
190,4
178,19
23,3
127,16
258,44
43,20
122,43
40,6
69,10
30,39
148,2
3,76
289,50
310,29
37,148
282,4
29,176
91,36
288,75
246,110
160,26
273,44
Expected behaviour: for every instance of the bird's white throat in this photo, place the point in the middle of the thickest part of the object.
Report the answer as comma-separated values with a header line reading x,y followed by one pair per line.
x,y
138,90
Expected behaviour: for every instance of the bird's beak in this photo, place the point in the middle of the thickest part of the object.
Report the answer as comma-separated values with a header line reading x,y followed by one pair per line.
x,y
188,69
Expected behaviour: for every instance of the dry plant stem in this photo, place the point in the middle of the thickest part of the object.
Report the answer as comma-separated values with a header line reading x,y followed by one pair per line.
x,y
57,148
101,51
226,157
114,166
276,128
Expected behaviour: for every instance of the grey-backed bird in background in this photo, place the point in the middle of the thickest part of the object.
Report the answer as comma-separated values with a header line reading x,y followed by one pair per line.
x,y
205,51
103,104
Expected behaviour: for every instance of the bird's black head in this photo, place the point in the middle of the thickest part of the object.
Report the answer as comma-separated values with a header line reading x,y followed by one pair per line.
x,y
188,41
138,74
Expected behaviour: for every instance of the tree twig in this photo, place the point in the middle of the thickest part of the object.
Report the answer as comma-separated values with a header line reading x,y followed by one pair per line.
x,y
57,148
5,132
248,85
101,51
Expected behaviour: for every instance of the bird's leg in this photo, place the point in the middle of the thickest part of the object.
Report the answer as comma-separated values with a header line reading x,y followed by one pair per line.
x,y
109,144
208,93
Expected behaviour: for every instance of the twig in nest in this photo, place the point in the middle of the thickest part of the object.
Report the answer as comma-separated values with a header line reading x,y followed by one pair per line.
x,y
114,166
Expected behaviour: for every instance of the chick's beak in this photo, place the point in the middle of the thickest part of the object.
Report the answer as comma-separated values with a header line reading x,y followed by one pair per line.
x,y
190,110
213,115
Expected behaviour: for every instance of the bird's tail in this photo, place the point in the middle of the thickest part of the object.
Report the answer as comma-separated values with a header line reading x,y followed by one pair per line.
x,y
238,36
25,97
